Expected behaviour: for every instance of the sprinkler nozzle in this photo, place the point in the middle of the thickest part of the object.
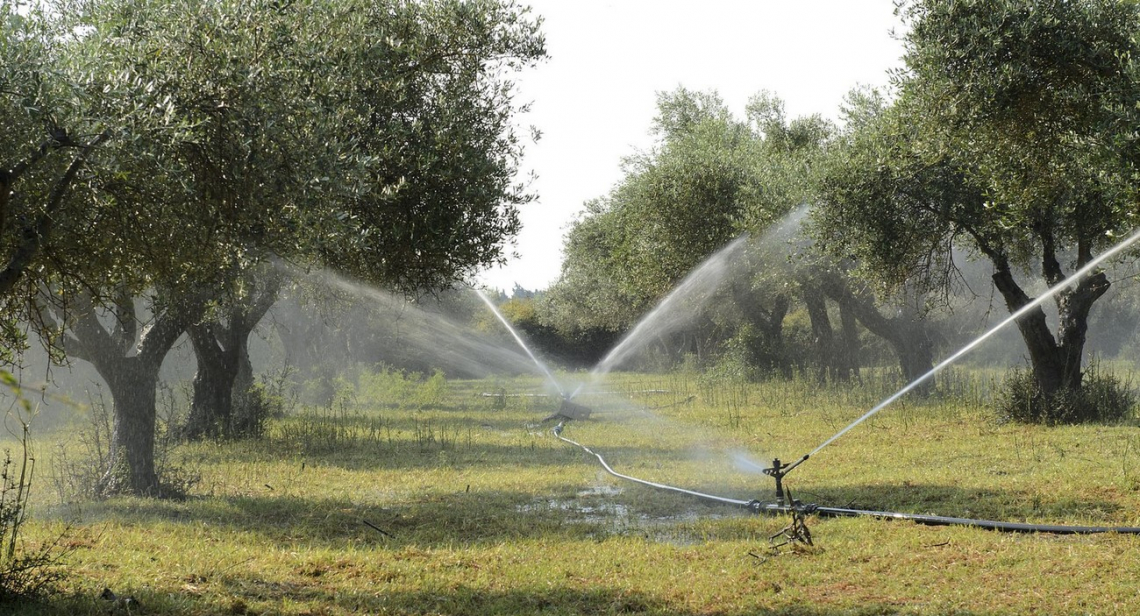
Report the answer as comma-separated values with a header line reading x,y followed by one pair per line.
x,y
778,471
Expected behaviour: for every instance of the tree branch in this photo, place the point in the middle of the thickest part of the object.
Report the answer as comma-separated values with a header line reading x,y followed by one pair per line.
x,y
33,235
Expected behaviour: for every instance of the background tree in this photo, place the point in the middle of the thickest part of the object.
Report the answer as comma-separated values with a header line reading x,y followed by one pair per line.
x,y
676,205
1012,138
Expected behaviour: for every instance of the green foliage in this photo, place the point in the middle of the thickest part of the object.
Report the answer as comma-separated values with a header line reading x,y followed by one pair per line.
x,y
395,388
1035,153
676,205
1103,397
1044,104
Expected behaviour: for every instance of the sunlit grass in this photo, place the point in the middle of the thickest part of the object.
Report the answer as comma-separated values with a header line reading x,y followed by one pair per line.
x,y
463,503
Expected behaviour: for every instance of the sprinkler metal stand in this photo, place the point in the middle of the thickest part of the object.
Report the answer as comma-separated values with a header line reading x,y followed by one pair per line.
x,y
777,472
567,410
798,530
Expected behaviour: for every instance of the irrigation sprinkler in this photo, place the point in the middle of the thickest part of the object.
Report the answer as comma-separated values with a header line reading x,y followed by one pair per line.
x,y
777,472
784,504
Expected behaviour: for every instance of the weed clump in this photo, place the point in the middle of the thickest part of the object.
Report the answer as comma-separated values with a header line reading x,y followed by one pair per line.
x,y
1102,397
24,574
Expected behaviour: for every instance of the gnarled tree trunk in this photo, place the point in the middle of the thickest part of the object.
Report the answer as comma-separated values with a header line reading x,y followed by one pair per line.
x,y
1056,361
129,362
828,357
906,333
224,373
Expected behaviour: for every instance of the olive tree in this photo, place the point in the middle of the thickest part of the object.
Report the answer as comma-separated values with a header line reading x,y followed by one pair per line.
x,y
371,137
1013,138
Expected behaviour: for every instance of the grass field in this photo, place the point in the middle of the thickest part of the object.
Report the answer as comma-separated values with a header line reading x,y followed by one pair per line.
x,y
435,499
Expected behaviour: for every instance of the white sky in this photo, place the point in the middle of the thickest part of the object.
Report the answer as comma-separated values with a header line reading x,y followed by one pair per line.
x,y
595,98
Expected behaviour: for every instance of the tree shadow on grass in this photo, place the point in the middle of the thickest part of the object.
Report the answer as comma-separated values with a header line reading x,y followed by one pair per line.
x,y
251,595
430,520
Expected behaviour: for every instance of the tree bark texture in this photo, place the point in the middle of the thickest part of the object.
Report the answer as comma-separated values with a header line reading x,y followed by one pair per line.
x,y
822,333
221,405
1056,361
130,369
211,408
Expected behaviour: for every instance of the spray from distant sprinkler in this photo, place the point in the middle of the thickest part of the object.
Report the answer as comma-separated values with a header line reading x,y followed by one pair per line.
x,y
679,308
495,310
668,315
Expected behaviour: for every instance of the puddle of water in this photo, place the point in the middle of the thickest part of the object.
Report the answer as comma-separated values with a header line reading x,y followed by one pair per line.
x,y
595,506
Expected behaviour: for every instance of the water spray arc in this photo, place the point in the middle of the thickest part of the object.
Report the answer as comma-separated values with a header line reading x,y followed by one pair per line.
x,y
668,314
502,319
784,504
1036,303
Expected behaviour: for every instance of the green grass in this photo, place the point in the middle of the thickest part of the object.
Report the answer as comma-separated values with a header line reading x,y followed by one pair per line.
x,y
484,513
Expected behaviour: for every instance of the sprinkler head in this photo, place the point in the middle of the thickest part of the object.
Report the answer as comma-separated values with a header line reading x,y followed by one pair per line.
x,y
568,410
777,471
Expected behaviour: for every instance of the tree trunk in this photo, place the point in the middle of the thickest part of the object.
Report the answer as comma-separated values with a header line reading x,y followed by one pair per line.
x,y
212,403
1056,365
906,333
131,469
850,329
822,333
769,324
244,405
222,354
774,334
130,369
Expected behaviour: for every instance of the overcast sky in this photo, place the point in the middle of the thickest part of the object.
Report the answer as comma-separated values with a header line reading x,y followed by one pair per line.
x,y
594,99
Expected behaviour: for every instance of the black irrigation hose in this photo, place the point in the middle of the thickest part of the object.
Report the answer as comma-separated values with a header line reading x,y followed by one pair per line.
x,y
841,512
940,520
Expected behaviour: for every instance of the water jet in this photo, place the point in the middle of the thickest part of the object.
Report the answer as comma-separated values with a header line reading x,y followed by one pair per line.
x,y
518,339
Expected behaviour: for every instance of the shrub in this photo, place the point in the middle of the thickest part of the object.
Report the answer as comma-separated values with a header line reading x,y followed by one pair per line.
x,y
253,409
1103,397
23,574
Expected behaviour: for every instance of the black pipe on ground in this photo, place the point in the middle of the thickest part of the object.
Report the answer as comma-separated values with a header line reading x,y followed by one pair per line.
x,y
939,520
842,512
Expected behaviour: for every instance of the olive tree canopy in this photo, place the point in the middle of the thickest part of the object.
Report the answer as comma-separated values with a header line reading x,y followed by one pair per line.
x,y
1012,137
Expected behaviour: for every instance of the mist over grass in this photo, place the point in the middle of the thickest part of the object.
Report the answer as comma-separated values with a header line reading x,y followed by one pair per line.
x,y
413,493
